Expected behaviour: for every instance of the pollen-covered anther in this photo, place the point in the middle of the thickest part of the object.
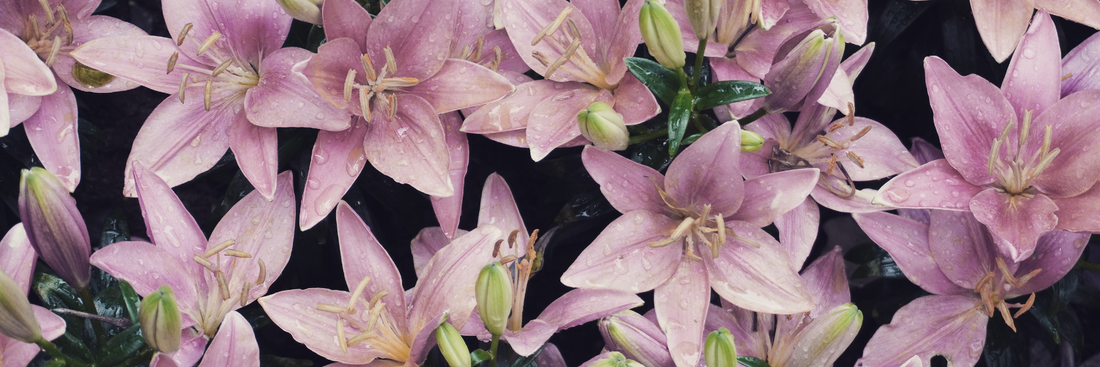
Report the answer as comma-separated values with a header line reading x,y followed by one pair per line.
x,y
391,62
356,294
172,62
221,67
209,42
244,294
223,285
183,85
263,272
855,158
829,142
183,34
54,49
549,29
368,67
349,85
1067,76
207,94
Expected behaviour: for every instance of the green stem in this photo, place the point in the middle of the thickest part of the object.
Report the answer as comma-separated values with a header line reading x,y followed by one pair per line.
x,y
493,350
753,117
56,353
144,357
1081,264
698,124
682,76
648,136
89,307
698,71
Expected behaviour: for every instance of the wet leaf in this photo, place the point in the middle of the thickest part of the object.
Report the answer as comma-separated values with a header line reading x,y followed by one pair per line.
x,y
662,82
678,118
873,262
130,299
124,345
751,361
726,92
478,356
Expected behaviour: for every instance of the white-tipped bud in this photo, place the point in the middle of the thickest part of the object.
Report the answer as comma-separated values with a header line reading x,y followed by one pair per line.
x,y
604,127
703,16
16,318
750,141
494,297
452,346
662,35
308,11
160,320
719,349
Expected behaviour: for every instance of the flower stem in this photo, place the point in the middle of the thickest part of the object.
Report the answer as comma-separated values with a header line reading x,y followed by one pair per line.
x,y
698,71
56,353
1081,264
89,307
753,117
648,136
116,321
493,350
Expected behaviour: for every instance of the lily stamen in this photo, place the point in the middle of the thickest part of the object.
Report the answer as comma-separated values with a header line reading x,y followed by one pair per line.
x,y
221,67
223,286
208,43
183,34
549,29
391,62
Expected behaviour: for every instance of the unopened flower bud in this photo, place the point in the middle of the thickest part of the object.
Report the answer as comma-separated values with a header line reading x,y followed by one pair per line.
x,y
662,35
54,226
308,11
703,16
804,67
452,346
604,127
719,349
825,338
636,338
16,318
750,141
494,297
611,359
740,16
160,320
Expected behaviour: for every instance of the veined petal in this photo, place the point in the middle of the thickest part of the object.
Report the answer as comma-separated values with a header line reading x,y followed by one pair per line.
x,y
418,32
962,247
525,18
87,29
884,154
851,14
147,267
20,108
754,272
769,196
1079,64
965,123
328,70
682,304
553,121
907,242
1056,253
424,341
17,256
707,172
1001,24
52,132
634,101
511,113
426,243
250,30
1078,164
233,345
24,73
287,99
498,208
1034,76
448,282
346,18
167,222
579,306
314,328
180,140
528,340
827,282
798,230
329,180
363,257
623,42
950,326
410,147
461,84
1080,213
627,185
256,149
935,185
822,341
119,56
448,210
621,256
1017,220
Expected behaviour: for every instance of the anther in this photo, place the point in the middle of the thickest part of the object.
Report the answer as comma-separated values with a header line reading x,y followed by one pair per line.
x,y
466,53
541,58
1025,127
1024,279
208,43
172,62
834,127
1006,315
235,253
496,248
244,294
1027,306
721,229
357,293
221,67
832,165
552,27
477,49
216,249
207,91
684,225
1004,272
349,82
46,8
861,133
507,259
330,308
54,50
855,158
364,101
993,154
374,299
393,104
1067,76
564,57
391,63
183,84
204,262
829,142
183,34
263,272
368,67
497,58
68,28
851,114
512,238
223,286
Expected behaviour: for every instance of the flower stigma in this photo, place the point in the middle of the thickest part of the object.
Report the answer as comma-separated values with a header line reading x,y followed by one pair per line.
x,y
1014,174
228,74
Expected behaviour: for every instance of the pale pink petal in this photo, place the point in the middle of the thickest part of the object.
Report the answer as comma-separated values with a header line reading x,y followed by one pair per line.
x,y
418,32
1056,253
771,11
1080,213
950,326
1078,164
410,147
851,14
551,357
424,341
553,122
448,210
627,185
634,101
250,31
839,93
1033,79
827,282
934,185
180,140
24,73
498,208
448,282
965,123
119,56
602,15
882,152
1084,12
776,131
1080,65
642,340
426,244
962,247
514,138
531,337
769,196
53,134
287,99
363,257
682,303
461,84
907,242
168,224
740,324
233,345
192,346
756,51
87,29
524,19
336,162
798,230
256,149
262,228
20,108
860,202
579,306
511,113
1017,220
707,172
621,257
147,267
52,326
17,256
623,43
346,18
1001,23
295,311
753,271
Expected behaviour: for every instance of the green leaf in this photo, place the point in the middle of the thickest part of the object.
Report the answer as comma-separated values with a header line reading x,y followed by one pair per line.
x,y
130,299
873,262
479,356
751,361
124,345
678,119
528,361
730,91
662,82
55,293
73,347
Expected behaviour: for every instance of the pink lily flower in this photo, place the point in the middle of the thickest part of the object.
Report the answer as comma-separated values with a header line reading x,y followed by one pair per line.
x,y
17,259
1081,65
1002,24
52,29
234,345
579,306
694,229
1022,160
245,254
396,91
579,49
955,257
231,85
377,321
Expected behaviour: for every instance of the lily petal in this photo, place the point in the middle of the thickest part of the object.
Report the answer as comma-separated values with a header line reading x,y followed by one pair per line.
x,y
461,84
413,137
426,244
1073,170
621,256
1034,76
1079,64
448,210
851,14
934,185
885,154
553,121
528,340
24,72
251,30
827,282
283,98
87,29
525,18
681,304
329,181
769,196
1017,220
450,277
498,208
962,247
634,101
1080,213
907,242
950,326
579,306
52,132
256,149
1001,24
17,256
168,223
313,328
363,257
1084,12
511,113
147,267
798,230
233,345
418,32
1056,254
627,185
753,271
119,56
346,18
707,171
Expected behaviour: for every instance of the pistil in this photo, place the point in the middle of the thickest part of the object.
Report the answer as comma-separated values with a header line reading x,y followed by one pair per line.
x,y
1015,174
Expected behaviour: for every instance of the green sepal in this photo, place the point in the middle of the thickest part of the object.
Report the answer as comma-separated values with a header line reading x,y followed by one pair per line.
x,y
678,119
661,81
751,361
726,92
124,345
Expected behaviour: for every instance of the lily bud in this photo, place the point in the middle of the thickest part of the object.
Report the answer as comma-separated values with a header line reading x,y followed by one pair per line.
x,y
719,349
662,35
804,67
825,338
308,11
611,359
494,297
452,346
16,318
743,14
160,320
703,16
54,226
604,127
750,141
635,337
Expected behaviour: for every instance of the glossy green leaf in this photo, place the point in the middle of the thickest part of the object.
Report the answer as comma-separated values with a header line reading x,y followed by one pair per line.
x,y
726,92
73,347
662,82
678,118
55,293
479,356
751,361
130,300
873,262
124,345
